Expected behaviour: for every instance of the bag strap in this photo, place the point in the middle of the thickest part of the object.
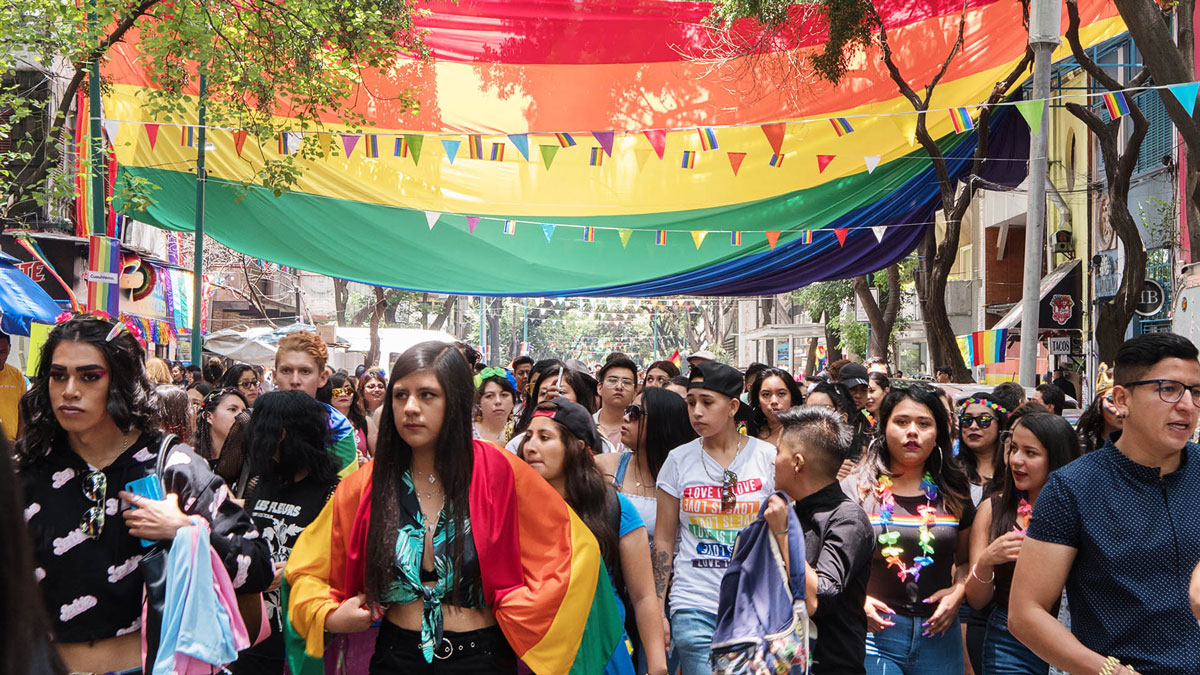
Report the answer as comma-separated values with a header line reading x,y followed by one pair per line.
x,y
164,448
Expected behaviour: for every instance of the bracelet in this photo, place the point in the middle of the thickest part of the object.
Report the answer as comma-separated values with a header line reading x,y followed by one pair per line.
x,y
1110,664
783,532
993,578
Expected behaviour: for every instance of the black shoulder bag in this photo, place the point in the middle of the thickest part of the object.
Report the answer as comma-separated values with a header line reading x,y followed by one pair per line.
x,y
153,567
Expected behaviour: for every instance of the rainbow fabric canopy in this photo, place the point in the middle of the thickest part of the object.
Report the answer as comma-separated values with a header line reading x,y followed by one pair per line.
x,y
568,148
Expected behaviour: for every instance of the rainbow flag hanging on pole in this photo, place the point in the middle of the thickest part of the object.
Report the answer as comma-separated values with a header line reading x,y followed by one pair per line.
x,y
104,275
1116,104
988,346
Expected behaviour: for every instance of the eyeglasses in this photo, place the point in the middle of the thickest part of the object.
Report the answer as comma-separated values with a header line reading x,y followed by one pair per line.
x,y
728,496
374,386
614,381
342,391
634,412
1171,391
249,384
95,487
984,421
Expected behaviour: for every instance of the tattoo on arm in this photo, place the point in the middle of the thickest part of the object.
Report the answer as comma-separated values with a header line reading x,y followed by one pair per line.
x,y
662,572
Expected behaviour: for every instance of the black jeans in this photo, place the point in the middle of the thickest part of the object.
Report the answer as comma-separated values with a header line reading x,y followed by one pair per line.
x,y
477,652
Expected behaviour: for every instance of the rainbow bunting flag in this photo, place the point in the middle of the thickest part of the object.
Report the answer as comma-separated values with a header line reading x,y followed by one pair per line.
x,y
401,147
841,125
961,119
475,146
565,140
708,138
689,159
542,574
1116,104
735,238
660,237
510,227
806,237
776,161
187,136
372,146
597,157
988,346
497,152
589,234
104,275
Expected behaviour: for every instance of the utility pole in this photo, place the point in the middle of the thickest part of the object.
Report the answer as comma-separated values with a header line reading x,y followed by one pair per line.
x,y
1045,23
198,248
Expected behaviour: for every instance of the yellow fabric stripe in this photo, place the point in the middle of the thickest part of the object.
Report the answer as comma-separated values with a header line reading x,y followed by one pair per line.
x,y
308,573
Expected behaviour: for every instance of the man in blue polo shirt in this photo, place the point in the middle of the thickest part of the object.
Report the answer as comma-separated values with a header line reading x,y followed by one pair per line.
x,y
1120,529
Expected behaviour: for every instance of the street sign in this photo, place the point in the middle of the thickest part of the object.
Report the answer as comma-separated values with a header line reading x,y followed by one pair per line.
x,y
1150,302
1060,346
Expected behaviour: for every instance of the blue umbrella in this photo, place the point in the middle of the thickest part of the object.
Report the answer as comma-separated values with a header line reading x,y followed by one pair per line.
x,y
22,301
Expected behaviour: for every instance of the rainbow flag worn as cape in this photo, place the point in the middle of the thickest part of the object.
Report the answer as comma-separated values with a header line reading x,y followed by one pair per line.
x,y
543,575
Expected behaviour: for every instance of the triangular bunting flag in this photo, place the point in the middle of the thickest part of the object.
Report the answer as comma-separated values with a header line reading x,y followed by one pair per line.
x,y
872,161
1185,94
414,146
111,127
658,140
325,144
431,217
642,155
239,140
879,231
698,237
451,149
349,141
548,229
907,125
841,233
772,239
823,161
735,161
548,153
152,133
472,223
605,139
624,235
1032,112
775,133
522,143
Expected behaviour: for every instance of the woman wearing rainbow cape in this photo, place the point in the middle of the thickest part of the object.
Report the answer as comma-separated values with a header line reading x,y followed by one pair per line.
x,y
507,572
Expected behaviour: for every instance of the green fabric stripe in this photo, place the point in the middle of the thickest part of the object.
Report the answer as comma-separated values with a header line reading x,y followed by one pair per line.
x,y
298,660
389,246
603,631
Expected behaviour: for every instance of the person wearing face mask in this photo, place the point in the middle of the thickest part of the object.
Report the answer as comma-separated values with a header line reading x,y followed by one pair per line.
x,y
772,392
708,490
1040,443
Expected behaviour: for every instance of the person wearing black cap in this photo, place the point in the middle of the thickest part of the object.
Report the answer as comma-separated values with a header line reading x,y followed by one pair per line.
x,y
708,490
854,377
559,445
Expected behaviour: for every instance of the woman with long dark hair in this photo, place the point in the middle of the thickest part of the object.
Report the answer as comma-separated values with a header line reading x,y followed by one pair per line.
x,y
292,476
878,386
981,422
1041,443
372,389
1101,419
773,392
554,382
173,406
560,446
919,502
91,429
214,421
245,379
660,373
344,398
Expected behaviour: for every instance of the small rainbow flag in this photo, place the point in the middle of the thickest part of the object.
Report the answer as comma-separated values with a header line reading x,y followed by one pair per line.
x,y
497,152
475,146
689,159
735,238
708,138
597,157
187,137
372,146
841,125
776,161
565,140
988,346
283,143
660,237
961,119
402,147
806,237
589,234
510,227
104,272
1116,104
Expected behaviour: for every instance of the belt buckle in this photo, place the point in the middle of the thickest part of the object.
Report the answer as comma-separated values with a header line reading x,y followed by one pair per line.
x,y
449,648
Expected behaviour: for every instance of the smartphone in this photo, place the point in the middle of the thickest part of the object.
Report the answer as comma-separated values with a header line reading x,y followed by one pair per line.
x,y
149,487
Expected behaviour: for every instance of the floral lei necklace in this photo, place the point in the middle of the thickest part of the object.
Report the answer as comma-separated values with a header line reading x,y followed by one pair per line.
x,y
1024,514
889,539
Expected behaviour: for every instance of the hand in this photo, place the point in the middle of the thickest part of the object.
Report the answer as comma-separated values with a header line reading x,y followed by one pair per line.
x,y
776,514
153,519
353,616
1003,549
667,634
948,601
875,615
275,583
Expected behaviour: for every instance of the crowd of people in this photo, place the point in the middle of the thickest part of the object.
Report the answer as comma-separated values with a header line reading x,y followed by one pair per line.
x,y
368,513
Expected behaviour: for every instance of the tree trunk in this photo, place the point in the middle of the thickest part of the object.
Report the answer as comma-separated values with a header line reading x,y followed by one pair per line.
x,y
377,309
882,320
810,363
341,297
446,311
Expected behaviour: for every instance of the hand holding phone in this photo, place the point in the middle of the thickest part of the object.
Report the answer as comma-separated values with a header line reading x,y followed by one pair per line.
x,y
149,487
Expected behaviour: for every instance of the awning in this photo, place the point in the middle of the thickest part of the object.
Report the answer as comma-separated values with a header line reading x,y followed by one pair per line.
x,y
22,301
1060,305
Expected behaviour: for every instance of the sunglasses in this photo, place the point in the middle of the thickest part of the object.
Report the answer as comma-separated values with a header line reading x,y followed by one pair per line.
x,y
634,412
95,486
342,391
984,421
728,496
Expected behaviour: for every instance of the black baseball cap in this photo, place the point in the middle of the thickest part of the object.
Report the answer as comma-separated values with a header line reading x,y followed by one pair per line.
x,y
853,375
575,418
718,377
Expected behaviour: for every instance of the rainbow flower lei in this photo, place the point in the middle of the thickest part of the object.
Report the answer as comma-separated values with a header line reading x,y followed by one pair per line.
x,y
1024,514
890,539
